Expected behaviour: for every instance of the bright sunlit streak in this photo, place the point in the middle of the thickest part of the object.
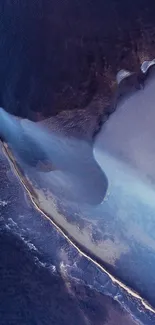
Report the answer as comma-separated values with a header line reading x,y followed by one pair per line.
x,y
72,171
123,178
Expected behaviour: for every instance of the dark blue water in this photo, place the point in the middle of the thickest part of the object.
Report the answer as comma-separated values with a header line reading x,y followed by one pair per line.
x,y
44,280
54,54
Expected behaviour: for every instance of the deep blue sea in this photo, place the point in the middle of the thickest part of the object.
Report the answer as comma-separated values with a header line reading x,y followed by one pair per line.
x,y
43,279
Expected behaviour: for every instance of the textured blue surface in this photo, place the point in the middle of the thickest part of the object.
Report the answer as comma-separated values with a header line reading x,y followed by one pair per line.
x,y
44,280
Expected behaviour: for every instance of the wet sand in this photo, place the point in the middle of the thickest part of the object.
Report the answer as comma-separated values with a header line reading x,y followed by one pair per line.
x,y
72,240
33,290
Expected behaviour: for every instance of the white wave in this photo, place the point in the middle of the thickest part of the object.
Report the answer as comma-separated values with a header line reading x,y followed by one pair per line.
x,y
146,65
122,74
4,203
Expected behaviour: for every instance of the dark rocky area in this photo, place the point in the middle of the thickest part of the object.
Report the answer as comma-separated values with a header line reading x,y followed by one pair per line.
x,y
64,55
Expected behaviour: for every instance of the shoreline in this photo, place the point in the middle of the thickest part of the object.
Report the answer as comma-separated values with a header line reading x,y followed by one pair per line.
x,y
129,85
79,247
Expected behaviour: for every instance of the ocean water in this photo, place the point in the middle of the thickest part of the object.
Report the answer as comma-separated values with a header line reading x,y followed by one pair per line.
x,y
116,231
44,279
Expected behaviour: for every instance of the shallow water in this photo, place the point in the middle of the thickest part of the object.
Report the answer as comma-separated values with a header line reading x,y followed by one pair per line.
x,y
43,278
125,150
119,231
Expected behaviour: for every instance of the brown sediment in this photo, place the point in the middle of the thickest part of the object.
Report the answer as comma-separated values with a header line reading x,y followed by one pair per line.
x,y
80,248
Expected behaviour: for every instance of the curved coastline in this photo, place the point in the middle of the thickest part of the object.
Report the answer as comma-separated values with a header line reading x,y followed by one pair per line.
x,y
128,85
81,249
85,251
126,153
